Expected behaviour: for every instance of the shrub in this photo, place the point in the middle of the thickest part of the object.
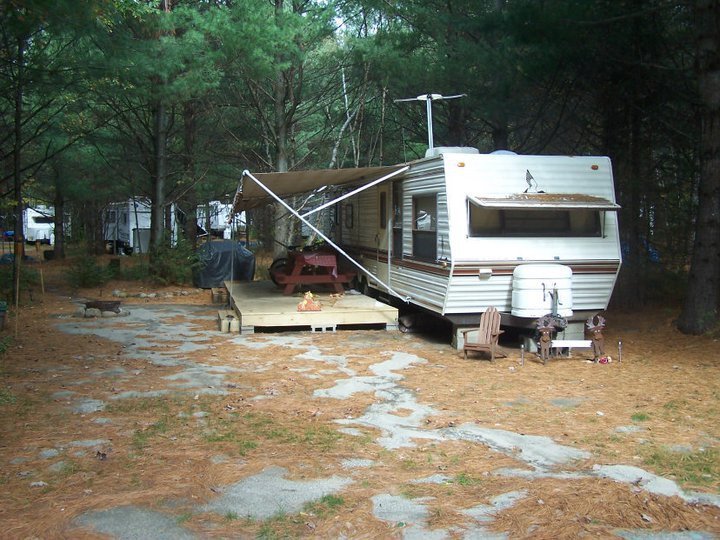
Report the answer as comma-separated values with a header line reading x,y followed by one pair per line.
x,y
29,278
173,265
4,344
86,272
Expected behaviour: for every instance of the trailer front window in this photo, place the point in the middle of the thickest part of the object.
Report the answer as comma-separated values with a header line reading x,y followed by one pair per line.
x,y
550,222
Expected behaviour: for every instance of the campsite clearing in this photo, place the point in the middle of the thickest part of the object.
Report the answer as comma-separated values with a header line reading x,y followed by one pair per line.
x,y
158,422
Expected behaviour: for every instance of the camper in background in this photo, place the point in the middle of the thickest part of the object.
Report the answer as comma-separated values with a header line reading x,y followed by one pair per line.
x,y
214,218
39,224
126,226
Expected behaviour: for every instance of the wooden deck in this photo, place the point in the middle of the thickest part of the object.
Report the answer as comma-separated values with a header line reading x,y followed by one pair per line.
x,y
262,304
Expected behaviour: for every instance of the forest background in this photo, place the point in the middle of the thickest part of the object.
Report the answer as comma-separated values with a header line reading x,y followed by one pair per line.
x,y
103,100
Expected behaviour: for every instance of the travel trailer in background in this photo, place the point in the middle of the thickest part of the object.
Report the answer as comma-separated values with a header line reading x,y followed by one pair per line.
x,y
39,224
458,231
126,225
215,218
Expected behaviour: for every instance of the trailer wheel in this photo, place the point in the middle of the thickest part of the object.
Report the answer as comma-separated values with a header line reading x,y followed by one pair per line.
x,y
280,265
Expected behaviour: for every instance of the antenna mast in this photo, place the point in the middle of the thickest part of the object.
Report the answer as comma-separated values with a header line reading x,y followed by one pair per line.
x,y
428,99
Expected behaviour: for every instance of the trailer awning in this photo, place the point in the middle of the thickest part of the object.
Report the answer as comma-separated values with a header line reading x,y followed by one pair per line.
x,y
250,195
560,201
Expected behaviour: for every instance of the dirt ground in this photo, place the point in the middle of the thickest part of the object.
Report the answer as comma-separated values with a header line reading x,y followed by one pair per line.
x,y
657,410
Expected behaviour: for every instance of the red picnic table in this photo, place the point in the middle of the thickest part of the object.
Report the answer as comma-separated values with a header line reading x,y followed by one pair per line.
x,y
311,268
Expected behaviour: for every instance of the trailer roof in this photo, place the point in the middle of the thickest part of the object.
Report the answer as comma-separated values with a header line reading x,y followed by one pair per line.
x,y
250,195
566,201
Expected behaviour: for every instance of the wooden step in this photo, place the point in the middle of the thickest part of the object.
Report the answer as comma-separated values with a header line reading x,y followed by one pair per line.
x,y
228,321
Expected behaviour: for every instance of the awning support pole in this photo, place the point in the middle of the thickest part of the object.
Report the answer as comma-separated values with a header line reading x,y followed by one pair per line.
x,y
320,233
356,191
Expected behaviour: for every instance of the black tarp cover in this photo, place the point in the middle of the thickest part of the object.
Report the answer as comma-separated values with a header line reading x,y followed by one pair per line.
x,y
221,261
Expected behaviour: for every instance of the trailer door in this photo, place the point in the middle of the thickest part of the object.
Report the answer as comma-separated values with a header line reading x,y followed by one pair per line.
x,y
384,231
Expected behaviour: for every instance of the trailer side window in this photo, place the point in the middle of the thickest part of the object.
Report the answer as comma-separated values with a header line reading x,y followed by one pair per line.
x,y
424,227
552,222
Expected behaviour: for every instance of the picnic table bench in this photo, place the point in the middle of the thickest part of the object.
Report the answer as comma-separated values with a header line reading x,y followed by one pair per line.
x,y
310,268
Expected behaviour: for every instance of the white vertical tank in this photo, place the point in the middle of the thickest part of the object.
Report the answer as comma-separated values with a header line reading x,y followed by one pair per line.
x,y
539,289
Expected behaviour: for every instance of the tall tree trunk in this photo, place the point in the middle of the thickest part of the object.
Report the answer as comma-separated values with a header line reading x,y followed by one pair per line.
x,y
160,128
700,312
17,163
59,224
190,202
89,227
284,228
157,215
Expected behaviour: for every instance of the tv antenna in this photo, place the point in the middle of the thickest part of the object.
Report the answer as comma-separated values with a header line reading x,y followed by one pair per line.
x,y
428,99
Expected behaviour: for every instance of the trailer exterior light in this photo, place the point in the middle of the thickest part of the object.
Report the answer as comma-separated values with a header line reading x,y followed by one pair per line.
x,y
594,167
461,164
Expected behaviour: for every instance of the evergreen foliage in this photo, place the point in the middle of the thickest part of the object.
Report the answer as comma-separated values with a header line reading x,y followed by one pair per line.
x,y
104,100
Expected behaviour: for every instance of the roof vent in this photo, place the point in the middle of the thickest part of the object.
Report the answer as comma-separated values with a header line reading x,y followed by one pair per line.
x,y
440,150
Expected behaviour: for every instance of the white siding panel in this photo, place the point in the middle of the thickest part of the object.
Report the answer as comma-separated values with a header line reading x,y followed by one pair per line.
x,y
592,291
424,289
470,294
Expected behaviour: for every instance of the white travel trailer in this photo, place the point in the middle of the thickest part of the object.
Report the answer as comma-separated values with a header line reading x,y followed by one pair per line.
x,y
218,215
39,224
459,231
127,225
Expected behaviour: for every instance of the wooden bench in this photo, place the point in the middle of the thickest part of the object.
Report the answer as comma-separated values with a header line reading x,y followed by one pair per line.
x,y
324,267
292,282
570,344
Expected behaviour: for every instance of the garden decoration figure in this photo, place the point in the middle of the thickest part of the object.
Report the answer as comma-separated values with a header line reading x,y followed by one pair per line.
x,y
545,328
309,303
598,341
545,341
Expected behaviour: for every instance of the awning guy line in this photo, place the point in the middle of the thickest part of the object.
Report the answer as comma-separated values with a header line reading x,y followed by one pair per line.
x,y
320,233
356,191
